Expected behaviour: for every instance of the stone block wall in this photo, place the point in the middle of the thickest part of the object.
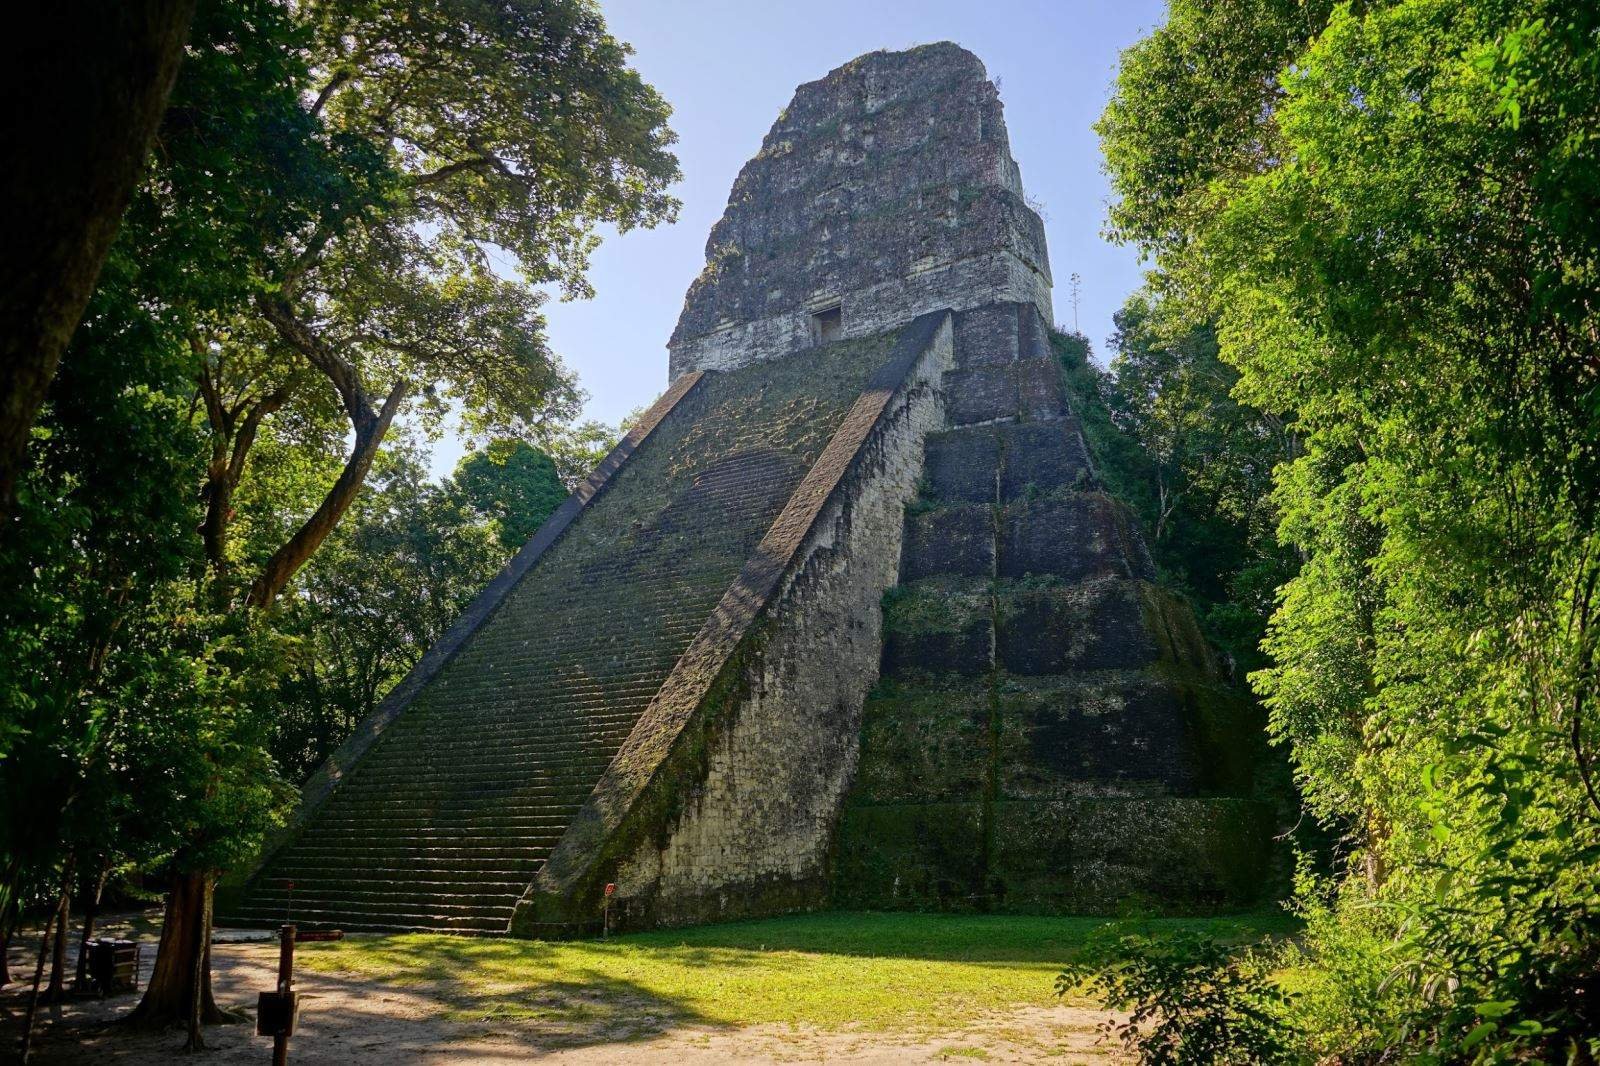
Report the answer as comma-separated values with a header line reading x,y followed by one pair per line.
x,y
1050,732
724,800
885,189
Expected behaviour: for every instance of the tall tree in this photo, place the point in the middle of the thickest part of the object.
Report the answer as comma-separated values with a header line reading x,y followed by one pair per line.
x,y
1208,470
1397,237
497,130
396,156
81,146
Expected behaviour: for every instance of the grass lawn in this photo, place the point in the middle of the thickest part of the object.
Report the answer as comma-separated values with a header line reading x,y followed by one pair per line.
x,y
831,970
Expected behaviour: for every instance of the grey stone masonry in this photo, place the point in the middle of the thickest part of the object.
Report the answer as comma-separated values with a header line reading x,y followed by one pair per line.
x,y
847,618
885,190
1050,732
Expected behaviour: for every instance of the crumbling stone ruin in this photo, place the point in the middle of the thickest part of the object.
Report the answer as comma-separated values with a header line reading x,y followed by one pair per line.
x,y
846,619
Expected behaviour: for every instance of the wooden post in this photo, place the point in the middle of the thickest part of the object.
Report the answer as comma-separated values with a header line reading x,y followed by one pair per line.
x,y
280,1041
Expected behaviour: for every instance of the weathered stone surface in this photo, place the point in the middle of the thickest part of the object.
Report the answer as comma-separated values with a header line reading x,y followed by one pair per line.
x,y
962,467
939,627
668,690
1033,715
1097,854
1069,855
1039,394
990,336
1096,626
949,540
886,189
1081,537
496,751
911,856
1042,458
927,741
1119,733
723,798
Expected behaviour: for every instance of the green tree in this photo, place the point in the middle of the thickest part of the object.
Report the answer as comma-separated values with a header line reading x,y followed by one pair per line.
x,y
1207,475
514,484
577,449
124,734
311,251
475,131
110,67
1393,224
421,142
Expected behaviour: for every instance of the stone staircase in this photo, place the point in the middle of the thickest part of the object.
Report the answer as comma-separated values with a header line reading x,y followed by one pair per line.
x,y
1049,723
444,822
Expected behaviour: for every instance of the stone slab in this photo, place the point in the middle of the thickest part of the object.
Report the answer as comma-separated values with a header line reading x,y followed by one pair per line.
x,y
956,540
1083,537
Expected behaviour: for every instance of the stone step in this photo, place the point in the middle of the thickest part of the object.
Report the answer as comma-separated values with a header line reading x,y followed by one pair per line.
x,y
447,819
472,811
375,901
414,839
396,782
304,868
388,922
524,768
421,825
553,728
513,749
492,855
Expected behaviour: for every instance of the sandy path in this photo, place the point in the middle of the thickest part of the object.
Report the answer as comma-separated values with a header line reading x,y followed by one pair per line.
x,y
366,1024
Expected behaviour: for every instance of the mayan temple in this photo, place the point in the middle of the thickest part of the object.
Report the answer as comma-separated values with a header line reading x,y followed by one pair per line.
x,y
845,620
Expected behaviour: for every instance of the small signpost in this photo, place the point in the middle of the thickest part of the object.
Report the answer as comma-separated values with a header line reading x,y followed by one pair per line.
x,y
278,1011
605,911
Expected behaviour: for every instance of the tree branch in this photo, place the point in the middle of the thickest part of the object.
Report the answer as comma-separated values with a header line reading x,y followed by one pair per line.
x,y
288,559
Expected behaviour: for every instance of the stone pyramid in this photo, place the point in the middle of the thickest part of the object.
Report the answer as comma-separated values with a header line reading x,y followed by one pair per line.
x,y
846,619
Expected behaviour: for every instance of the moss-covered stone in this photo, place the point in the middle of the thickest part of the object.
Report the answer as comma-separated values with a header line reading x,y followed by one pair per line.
x,y
938,626
1101,761
1101,854
924,743
474,783
916,856
1100,625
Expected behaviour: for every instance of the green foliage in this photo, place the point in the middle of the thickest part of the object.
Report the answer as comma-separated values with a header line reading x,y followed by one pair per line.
x,y
577,449
1190,998
1169,439
307,262
1397,239
125,731
513,483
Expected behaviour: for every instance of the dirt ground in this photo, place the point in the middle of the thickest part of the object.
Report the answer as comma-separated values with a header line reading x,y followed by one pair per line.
x,y
364,1023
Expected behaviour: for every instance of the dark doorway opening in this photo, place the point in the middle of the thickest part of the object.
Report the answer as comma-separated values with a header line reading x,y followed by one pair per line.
x,y
827,325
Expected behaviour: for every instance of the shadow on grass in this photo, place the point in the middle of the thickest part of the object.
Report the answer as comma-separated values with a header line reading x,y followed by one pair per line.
x,y
394,998
993,938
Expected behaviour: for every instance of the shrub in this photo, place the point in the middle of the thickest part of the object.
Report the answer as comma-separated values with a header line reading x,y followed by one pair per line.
x,y
1189,997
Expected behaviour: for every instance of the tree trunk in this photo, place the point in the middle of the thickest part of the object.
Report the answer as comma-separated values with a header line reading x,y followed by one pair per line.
x,y
87,86
288,559
33,999
179,989
57,992
7,929
91,910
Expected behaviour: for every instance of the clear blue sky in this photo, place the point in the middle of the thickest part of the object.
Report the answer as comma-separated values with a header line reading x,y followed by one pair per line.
x,y
729,66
